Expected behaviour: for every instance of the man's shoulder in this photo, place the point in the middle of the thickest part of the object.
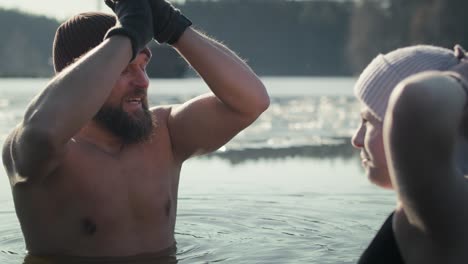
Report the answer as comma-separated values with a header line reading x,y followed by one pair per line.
x,y
162,112
10,158
7,154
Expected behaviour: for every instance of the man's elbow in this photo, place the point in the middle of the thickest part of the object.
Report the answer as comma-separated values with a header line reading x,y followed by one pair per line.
x,y
263,103
262,100
34,146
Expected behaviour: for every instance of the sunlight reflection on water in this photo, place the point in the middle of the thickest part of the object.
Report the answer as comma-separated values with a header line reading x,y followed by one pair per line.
x,y
287,190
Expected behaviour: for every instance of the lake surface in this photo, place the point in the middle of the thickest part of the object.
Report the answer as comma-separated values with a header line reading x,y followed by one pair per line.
x,y
289,189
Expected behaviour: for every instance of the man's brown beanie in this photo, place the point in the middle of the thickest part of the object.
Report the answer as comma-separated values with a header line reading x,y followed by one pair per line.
x,y
79,35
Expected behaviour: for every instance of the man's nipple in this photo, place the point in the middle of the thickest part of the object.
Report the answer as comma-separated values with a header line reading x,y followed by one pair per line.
x,y
168,208
88,226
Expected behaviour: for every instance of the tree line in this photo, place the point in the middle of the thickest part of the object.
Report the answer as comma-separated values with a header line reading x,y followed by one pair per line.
x,y
276,37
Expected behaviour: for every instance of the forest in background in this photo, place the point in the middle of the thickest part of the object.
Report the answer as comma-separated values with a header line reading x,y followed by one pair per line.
x,y
276,37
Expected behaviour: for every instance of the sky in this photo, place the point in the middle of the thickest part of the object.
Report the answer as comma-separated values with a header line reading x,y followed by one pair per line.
x,y
59,9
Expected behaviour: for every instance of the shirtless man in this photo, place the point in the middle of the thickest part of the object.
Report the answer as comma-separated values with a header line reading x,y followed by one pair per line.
x,y
93,171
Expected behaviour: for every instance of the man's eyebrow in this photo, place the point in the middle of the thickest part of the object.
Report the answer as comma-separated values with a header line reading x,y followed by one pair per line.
x,y
148,53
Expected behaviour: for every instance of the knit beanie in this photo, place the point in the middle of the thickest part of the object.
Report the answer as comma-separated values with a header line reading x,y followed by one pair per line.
x,y
378,80
78,35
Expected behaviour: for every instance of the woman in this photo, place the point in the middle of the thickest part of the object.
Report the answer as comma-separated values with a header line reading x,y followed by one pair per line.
x,y
410,140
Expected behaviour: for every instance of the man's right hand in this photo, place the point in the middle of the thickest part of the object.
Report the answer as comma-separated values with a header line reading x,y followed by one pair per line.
x,y
168,22
134,20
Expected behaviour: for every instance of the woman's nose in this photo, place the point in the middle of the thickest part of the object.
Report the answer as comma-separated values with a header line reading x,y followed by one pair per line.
x,y
358,138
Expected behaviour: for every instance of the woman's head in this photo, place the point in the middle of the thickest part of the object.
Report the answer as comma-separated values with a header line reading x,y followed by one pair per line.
x,y
368,138
373,90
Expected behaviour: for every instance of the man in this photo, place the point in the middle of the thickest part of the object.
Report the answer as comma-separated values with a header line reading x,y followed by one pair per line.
x,y
93,171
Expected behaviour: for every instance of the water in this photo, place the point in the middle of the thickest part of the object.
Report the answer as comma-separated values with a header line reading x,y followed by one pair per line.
x,y
289,189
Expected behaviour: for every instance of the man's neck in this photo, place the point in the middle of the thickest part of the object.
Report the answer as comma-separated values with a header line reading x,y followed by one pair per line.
x,y
100,138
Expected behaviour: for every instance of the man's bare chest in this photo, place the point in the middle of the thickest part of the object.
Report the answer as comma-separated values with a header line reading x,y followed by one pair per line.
x,y
114,193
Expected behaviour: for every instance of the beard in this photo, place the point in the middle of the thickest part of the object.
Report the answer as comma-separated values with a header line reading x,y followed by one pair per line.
x,y
130,129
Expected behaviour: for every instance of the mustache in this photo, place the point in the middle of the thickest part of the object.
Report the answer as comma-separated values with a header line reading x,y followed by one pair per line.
x,y
140,92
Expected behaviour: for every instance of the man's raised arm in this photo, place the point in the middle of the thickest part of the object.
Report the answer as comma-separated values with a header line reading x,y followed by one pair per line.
x,y
74,96
207,122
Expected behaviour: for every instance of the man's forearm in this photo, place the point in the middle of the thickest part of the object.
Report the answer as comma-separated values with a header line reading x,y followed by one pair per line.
x,y
74,96
230,79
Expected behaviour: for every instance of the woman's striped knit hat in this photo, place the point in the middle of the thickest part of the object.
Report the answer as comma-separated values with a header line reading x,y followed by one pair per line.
x,y
378,80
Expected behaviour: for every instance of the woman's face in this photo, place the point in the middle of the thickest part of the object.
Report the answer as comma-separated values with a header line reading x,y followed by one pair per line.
x,y
368,139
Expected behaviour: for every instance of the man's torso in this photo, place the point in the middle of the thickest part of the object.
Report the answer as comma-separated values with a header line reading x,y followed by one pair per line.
x,y
101,204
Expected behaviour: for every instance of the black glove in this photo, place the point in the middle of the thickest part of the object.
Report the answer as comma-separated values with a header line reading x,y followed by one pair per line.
x,y
168,22
134,20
